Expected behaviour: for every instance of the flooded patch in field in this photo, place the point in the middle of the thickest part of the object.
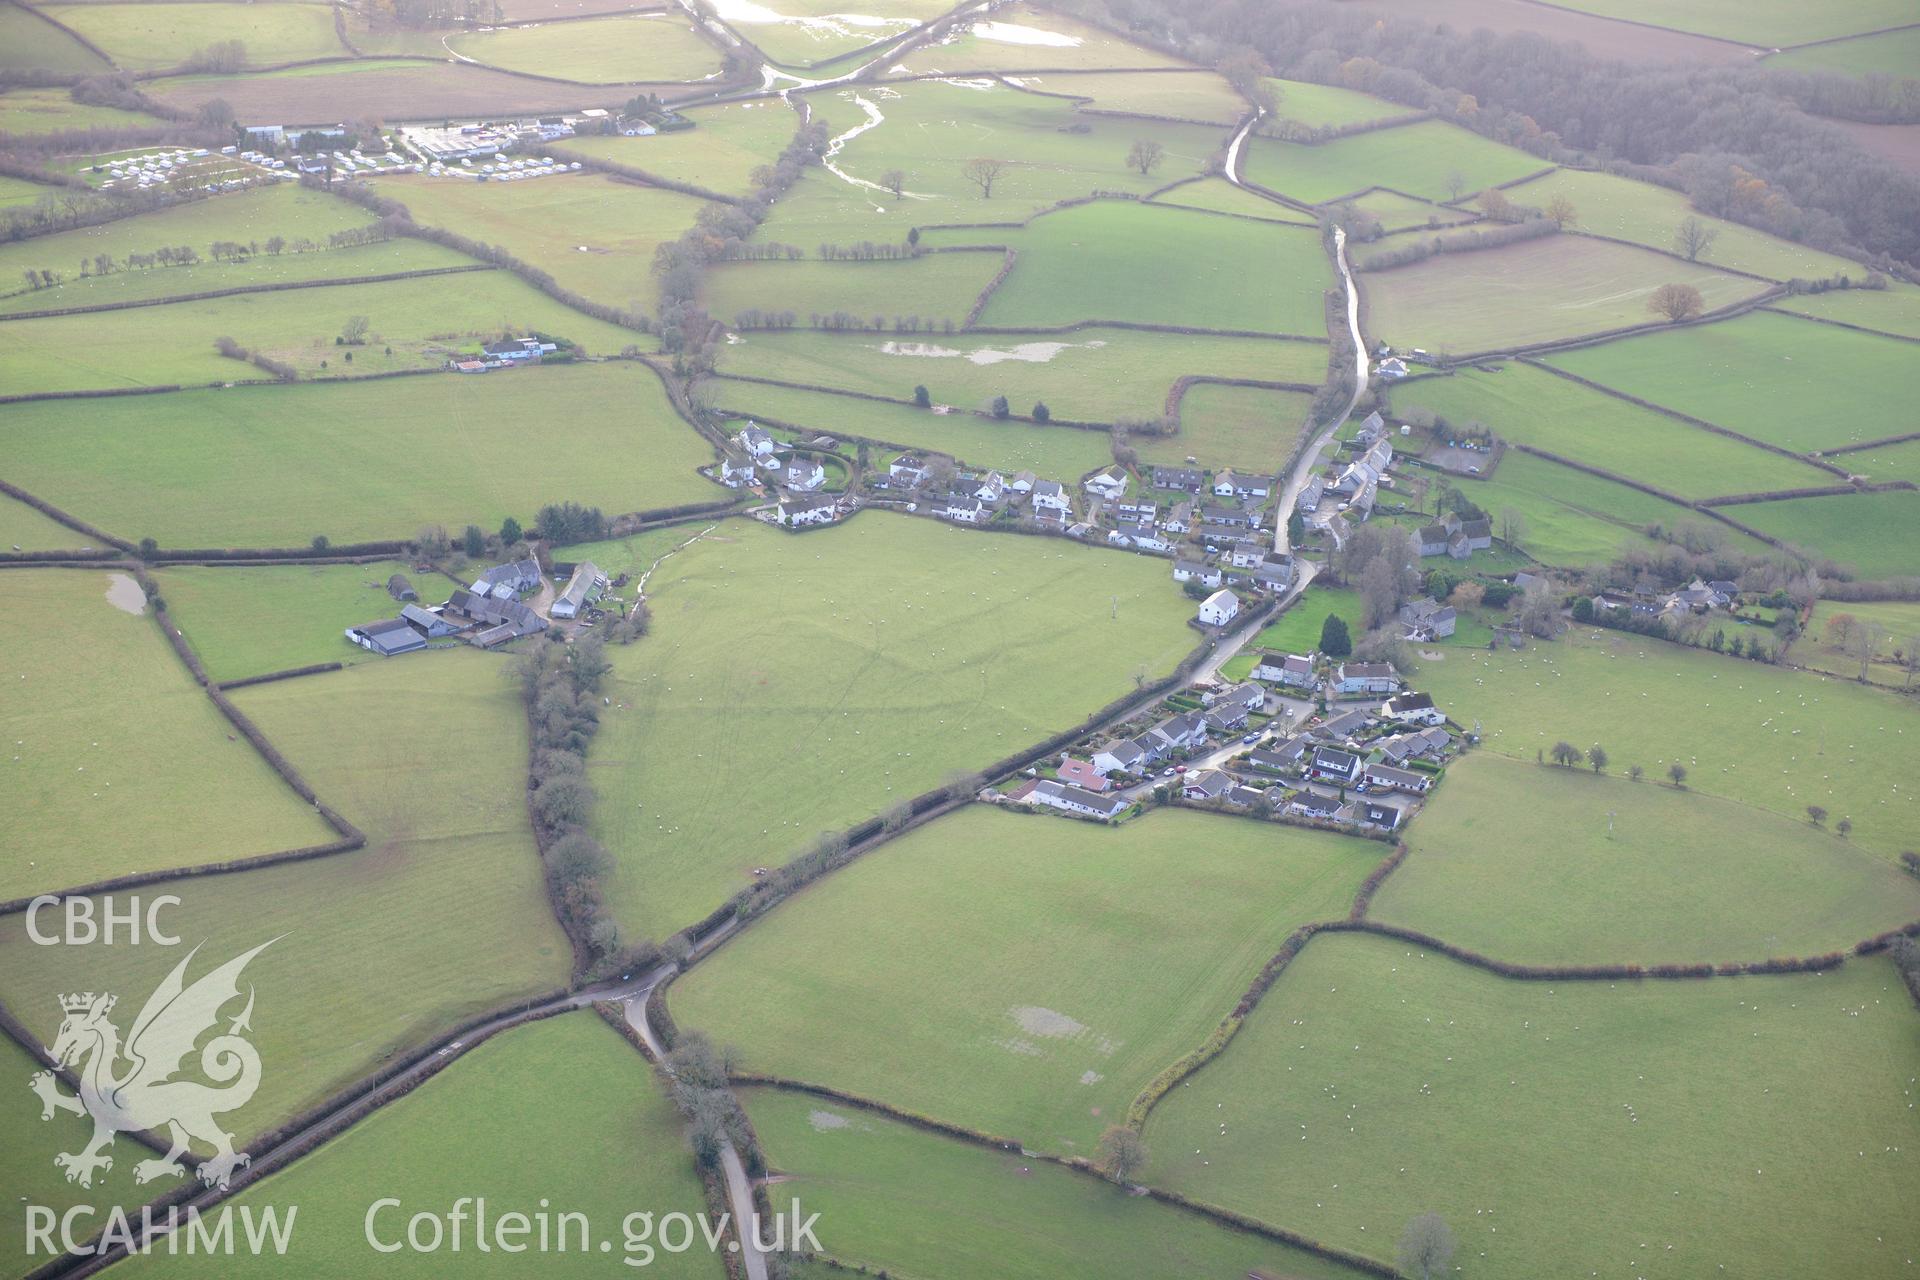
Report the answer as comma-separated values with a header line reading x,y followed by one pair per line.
x,y
1015,33
1045,1022
824,1121
1026,352
1091,1077
124,594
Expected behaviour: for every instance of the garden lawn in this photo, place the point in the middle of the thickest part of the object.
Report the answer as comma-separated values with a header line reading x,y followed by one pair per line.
x,y
1772,737
1764,23
719,153
1757,1124
25,528
850,669
1547,865
1298,629
1876,535
1094,375
1773,377
913,1203
623,49
1064,978
1532,406
594,235
1892,53
1415,159
1895,309
1894,624
1530,292
440,918
1109,261
936,288
1217,195
1022,38
146,37
31,111
423,321
219,607
28,41
1052,453
1650,215
116,762
274,466
1250,427
574,1119
1203,96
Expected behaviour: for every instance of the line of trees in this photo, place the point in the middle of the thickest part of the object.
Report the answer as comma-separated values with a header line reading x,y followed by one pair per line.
x,y
1533,228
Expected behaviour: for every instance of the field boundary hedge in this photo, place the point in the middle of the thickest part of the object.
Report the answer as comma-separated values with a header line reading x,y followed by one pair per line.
x,y
311,669
1842,324
1881,443
986,294
237,290
59,516
1177,393
134,880
874,397
1363,900
1146,326
1525,350
1816,491
1710,512
599,164
73,35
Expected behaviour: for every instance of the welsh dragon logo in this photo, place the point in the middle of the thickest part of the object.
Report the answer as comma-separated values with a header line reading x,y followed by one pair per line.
x,y
130,1086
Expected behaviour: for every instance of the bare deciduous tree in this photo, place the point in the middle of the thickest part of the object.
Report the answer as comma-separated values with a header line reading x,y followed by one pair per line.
x,y
895,180
983,172
1426,1247
1676,302
1562,213
1693,238
1121,1153
1145,155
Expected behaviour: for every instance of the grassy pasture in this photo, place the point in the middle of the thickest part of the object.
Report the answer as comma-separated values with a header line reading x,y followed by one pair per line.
x,y
1204,96
442,916
1544,865
273,466
1024,39
98,788
219,609
1525,404
1891,462
1217,195
146,37
1065,977
1396,212
894,1197
23,528
390,88
770,655
1095,375
1414,158
720,153
31,111
568,1086
625,49
1773,377
595,235
1769,737
1530,292
819,33
1649,215
27,41
1768,22
1877,535
15,192
423,320
1658,1129
1059,453
1892,53
937,287
1107,261
1225,426
1895,625
1329,106
1298,629
1895,309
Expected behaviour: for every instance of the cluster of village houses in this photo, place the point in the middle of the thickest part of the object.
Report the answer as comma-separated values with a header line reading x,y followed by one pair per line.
x,y
486,614
1337,743
1696,598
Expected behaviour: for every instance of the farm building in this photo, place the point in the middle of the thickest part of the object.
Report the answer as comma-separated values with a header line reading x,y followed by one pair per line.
x,y
507,581
1366,677
430,624
387,637
400,589
585,587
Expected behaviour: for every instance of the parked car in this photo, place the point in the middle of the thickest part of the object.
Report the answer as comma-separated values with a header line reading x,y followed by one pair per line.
x,y
1251,738
1166,773
1179,768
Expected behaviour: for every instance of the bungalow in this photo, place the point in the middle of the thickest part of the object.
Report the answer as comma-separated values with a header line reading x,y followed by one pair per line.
x,y
1207,784
1185,479
1427,619
585,587
1295,670
1280,757
963,510
507,581
1122,755
1235,517
804,473
1427,744
1051,495
1366,677
516,350
736,472
756,442
1311,804
1246,797
1139,539
1218,609
1341,727
1080,774
1057,795
807,509
1179,518
1413,708
1022,482
1233,484
1385,775
1109,484
1226,720
387,637
1207,575
1380,814
991,489
906,471
428,623
1329,764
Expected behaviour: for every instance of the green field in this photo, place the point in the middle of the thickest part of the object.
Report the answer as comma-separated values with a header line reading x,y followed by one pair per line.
x,y
99,789
1890,462
1526,404
1416,159
27,41
23,528
815,33
1649,215
146,37
1326,106
1396,212
594,235
30,111
1065,976
1770,737
1895,626
1531,292
441,917
1876,535
1217,195
1545,865
18,192
1769,376
1755,22
423,321
1059,453
1220,425
626,49
1203,96
1648,1129
1298,629
219,609
856,671
1892,53
1094,375
936,287
273,466
1011,45
1895,309
719,153
1107,261
574,1120
894,1197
